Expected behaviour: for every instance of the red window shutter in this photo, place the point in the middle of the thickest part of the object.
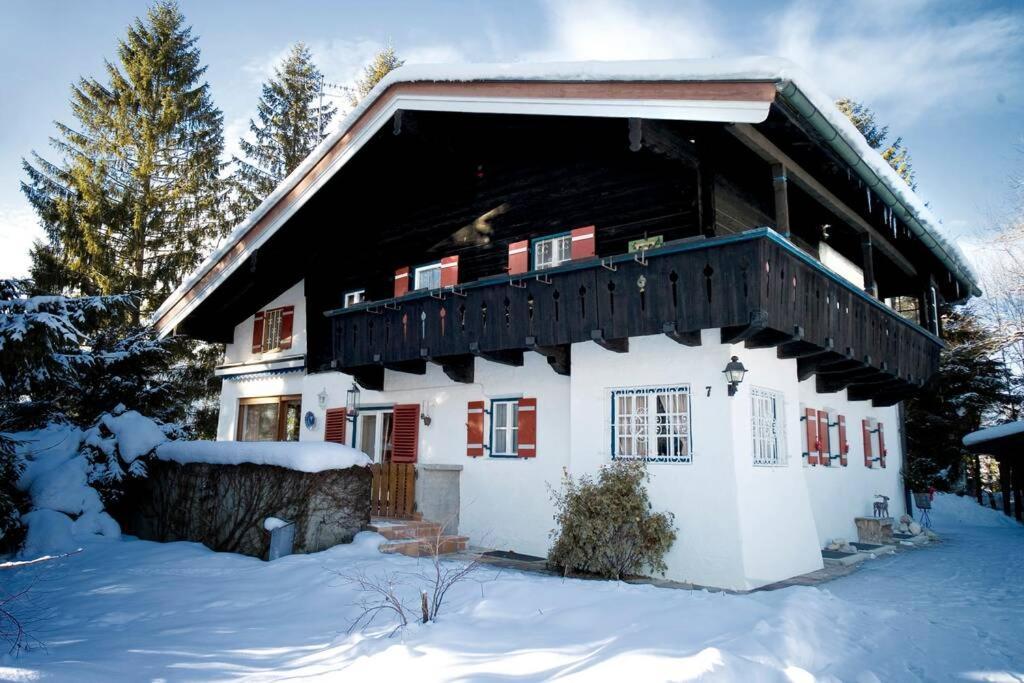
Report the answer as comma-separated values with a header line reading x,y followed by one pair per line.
x,y
811,428
881,444
257,333
823,440
475,429
583,243
335,425
406,435
287,321
527,428
844,447
868,453
402,281
449,271
518,257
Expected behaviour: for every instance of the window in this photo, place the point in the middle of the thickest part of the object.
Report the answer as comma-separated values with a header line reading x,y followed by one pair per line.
x,y
428,277
907,306
767,427
272,329
552,251
652,423
505,424
376,429
269,418
356,297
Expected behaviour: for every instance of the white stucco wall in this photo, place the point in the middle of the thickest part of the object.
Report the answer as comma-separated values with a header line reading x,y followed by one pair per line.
x,y
505,502
838,494
240,350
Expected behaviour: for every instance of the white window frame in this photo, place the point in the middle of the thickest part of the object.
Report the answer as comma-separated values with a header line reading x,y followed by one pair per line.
x,y
272,318
643,429
561,247
354,298
509,427
420,270
768,432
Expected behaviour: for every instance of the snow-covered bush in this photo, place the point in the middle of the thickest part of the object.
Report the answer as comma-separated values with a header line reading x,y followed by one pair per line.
x,y
606,527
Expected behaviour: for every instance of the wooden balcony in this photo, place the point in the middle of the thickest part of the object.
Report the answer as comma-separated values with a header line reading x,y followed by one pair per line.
x,y
756,287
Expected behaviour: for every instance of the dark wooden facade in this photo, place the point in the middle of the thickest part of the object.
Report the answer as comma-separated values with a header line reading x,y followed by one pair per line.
x,y
755,286
442,184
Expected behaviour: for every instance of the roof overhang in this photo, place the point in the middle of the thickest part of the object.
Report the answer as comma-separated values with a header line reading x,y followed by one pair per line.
x,y
728,91
1002,441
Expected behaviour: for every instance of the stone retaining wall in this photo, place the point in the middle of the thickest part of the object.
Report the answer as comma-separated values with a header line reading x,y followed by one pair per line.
x,y
224,506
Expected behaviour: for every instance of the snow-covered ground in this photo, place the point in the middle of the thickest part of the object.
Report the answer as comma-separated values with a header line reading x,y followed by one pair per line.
x,y
128,610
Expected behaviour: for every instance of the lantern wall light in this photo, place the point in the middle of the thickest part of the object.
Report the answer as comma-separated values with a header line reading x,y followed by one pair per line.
x,y
352,402
734,373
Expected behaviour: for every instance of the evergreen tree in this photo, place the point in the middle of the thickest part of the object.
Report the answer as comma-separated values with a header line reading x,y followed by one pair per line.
x,y
383,63
971,387
292,121
895,153
131,205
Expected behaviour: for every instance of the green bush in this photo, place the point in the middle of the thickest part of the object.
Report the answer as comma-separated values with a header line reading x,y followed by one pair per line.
x,y
606,527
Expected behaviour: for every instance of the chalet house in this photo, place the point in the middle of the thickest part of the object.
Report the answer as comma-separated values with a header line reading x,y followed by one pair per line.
x,y
491,274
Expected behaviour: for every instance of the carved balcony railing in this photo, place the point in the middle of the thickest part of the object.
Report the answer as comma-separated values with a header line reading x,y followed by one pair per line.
x,y
756,287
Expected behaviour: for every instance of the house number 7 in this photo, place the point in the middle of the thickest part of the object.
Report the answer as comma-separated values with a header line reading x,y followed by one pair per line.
x,y
708,387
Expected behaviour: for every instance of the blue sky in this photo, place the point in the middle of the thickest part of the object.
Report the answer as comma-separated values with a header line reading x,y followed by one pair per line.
x,y
948,77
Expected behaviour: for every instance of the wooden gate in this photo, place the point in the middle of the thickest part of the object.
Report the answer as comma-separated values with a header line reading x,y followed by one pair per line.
x,y
393,490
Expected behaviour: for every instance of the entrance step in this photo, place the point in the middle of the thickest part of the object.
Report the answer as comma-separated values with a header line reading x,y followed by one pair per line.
x,y
416,538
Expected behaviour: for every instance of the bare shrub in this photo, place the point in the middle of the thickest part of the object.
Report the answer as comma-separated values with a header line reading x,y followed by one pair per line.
x,y
606,527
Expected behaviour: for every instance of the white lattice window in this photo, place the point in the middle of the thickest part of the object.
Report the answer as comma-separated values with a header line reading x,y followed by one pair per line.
x,y
767,427
652,423
552,251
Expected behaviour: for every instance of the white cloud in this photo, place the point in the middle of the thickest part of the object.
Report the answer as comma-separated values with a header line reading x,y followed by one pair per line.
x,y
18,229
907,58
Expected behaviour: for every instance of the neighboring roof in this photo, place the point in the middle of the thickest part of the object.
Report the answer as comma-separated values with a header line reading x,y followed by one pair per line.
x,y
658,91
1001,441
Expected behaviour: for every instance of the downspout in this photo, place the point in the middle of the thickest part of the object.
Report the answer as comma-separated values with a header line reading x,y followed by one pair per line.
x,y
814,118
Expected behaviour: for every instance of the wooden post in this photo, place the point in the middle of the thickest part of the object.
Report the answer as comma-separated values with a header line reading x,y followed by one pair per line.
x,y
1004,485
1017,484
781,200
868,265
706,188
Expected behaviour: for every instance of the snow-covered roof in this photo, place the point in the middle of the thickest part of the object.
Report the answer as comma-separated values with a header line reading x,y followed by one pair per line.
x,y
983,436
792,84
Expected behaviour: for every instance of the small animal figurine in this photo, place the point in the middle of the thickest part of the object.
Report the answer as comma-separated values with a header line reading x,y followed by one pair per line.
x,y
882,506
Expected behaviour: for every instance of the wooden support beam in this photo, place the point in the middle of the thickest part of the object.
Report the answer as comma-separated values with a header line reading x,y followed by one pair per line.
x,y
808,365
691,338
458,368
513,357
616,345
779,184
706,188
737,333
559,356
368,376
831,382
868,265
412,367
802,348
869,391
767,150
636,134
888,399
770,338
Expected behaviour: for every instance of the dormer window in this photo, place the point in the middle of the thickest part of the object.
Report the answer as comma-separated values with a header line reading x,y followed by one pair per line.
x,y
552,251
356,297
272,330
427,277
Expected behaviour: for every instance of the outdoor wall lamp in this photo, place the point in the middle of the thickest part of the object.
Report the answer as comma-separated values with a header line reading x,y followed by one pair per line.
x,y
352,402
322,398
734,373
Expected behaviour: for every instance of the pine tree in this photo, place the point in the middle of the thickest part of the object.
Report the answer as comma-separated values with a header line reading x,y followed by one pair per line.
x,y
132,204
895,153
292,121
971,387
383,63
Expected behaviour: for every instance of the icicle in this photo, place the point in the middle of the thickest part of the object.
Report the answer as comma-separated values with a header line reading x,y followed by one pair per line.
x,y
867,191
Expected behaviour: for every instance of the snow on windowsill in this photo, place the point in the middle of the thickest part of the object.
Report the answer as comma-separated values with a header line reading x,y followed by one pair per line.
x,y
302,456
